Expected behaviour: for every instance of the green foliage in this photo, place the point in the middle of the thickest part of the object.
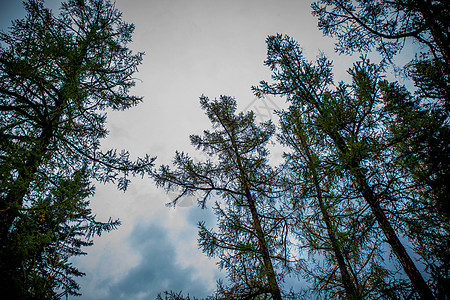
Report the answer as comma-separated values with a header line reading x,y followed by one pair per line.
x,y
367,166
250,238
47,235
58,75
367,159
432,81
348,128
421,139
360,26
418,125
334,226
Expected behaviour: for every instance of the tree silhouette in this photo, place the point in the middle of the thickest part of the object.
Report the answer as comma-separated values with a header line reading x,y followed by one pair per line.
x,y
250,239
58,75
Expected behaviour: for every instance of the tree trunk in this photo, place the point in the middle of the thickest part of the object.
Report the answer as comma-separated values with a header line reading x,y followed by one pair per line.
x,y
14,199
408,265
270,273
349,287
271,278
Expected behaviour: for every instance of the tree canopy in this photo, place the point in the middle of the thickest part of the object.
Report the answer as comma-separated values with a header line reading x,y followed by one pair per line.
x,y
359,206
353,123
360,26
364,178
58,76
250,240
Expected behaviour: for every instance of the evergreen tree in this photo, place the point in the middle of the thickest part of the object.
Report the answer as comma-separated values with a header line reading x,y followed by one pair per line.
x,y
58,75
251,236
334,226
420,138
46,236
359,26
351,119
306,183
419,125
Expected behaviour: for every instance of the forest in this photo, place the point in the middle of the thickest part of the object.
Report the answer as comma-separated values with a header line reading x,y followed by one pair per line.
x,y
359,206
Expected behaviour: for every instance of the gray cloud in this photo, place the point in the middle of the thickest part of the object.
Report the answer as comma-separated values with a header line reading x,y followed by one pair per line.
x,y
158,269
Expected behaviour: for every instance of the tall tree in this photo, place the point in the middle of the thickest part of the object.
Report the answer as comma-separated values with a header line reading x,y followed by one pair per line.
x,y
419,125
251,231
334,224
303,162
58,75
351,121
360,26
44,239
422,150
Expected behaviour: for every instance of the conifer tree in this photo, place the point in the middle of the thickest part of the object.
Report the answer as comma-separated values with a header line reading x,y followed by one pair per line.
x,y
306,180
387,25
419,120
250,238
351,120
58,75
334,226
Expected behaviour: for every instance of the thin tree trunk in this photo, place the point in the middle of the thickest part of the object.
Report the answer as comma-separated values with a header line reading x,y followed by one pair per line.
x,y
408,265
270,273
264,250
271,277
349,287
369,196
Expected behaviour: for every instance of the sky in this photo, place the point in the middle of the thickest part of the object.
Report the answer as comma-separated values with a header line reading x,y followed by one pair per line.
x,y
191,48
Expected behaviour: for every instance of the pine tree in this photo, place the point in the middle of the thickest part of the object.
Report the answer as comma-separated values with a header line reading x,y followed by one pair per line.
x,y
419,124
306,182
46,236
345,258
386,25
58,75
250,239
351,121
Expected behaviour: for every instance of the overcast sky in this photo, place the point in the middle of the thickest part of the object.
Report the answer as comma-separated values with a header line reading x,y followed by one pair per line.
x,y
191,48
